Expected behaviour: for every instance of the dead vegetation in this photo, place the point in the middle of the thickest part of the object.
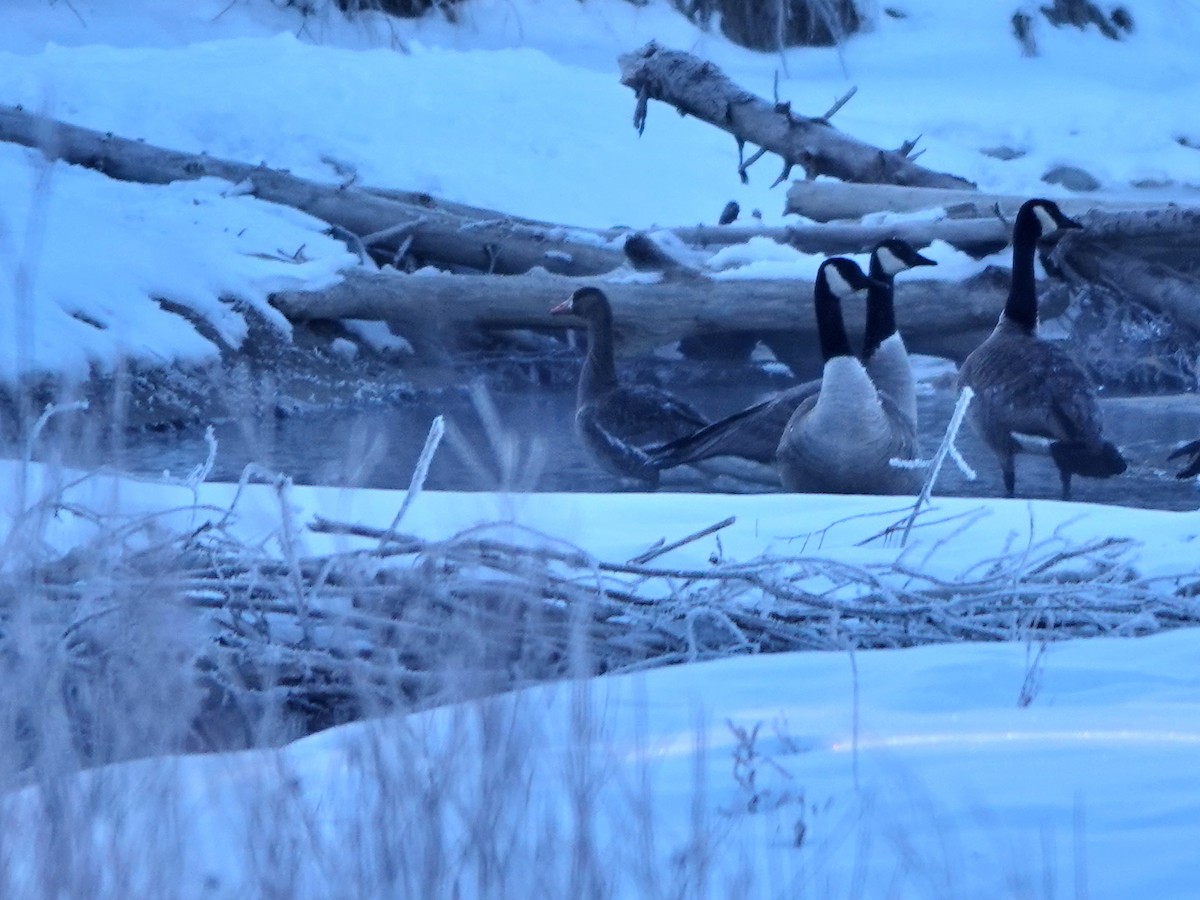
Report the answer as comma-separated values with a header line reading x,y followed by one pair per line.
x,y
254,646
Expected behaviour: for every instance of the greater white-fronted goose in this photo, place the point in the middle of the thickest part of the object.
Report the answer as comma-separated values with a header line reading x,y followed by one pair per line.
x,y
1029,387
615,421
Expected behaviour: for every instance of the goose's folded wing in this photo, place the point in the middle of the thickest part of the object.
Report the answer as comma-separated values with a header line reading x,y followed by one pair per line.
x,y
1191,449
645,414
752,433
1054,399
722,437
619,453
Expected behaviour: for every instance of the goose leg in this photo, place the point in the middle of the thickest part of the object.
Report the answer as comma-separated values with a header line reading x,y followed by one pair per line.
x,y
1008,466
1065,477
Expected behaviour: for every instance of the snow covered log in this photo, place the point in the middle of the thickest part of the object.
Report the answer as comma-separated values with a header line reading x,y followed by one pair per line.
x,y
699,88
942,318
977,237
1146,257
424,232
827,201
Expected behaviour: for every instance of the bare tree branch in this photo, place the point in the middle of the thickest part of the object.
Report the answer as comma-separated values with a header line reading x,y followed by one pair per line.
x,y
698,88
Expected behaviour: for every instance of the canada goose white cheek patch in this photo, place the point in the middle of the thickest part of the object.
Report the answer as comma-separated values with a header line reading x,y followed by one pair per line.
x,y
890,262
839,285
1045,219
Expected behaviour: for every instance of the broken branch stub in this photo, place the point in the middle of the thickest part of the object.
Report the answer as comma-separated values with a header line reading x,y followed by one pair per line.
x,y
698,88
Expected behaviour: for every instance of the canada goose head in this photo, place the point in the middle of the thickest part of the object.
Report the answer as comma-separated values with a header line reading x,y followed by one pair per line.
x,y
842,278
838,279
894,256
586,302
1036,219
1039,218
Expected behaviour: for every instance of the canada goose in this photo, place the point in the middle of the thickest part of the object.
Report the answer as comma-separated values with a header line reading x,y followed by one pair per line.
x,y
753,433
1192,468
615,421
884,353
1028,387
842,439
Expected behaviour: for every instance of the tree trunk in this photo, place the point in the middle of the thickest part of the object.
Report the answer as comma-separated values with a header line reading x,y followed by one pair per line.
x,y
700,89
941,318
827,201
430,233
1149,257
775,24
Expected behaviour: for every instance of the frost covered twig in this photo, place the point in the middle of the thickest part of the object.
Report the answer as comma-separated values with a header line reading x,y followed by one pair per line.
x,y
935,468
51,410
661,549
437,429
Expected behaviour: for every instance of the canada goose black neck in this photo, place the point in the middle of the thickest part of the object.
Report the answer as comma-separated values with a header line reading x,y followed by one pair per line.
x,y
831,327
1022,306
1035,218
881,312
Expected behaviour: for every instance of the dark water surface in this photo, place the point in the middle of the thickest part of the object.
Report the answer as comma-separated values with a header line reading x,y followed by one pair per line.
x,y
529,444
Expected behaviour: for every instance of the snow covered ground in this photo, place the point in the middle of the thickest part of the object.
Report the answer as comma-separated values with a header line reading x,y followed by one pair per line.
x,y
912,773
909,773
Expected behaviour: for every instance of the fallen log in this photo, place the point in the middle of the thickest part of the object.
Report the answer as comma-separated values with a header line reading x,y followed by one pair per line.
x,y
1164,227
698,88
425,231
1170,234
941,318
459,236
977,237
1149,257
827,201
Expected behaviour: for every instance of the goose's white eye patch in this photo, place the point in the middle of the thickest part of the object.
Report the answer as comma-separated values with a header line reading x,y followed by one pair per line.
x,y
890,262
839,285
1045,219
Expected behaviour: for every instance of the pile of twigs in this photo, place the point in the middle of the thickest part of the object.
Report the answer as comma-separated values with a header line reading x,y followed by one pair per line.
x,y
499,606
401,622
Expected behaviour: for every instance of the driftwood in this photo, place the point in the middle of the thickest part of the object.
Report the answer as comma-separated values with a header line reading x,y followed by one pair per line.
x,y
461,236
429,232
1159,232
941,318
827,201
448,234
1139,254
1151,258
700,89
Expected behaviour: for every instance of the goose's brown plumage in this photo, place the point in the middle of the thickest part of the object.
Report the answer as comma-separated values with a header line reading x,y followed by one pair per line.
x,y
1027,386
615,422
